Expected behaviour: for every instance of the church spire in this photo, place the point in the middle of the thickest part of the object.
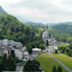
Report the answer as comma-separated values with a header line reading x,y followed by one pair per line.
x,y
46,27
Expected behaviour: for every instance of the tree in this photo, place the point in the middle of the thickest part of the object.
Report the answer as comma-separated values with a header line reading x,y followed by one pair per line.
x,y
12,54
30,51
54,69
1,68
63,47
42,46
56,51
32,66
7,63
47,43
29,47
69,39
11,66
59,69
3,63
32,35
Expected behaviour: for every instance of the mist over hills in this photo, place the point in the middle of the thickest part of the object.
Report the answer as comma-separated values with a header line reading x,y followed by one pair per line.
x,y
42,24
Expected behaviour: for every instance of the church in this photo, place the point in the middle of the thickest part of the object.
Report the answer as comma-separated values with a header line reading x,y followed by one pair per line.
x,y
50,41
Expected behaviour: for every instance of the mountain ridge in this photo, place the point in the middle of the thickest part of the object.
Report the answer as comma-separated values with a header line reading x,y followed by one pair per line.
x,y
2,11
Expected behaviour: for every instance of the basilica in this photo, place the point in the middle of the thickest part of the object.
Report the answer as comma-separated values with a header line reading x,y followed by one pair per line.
x,y
52,45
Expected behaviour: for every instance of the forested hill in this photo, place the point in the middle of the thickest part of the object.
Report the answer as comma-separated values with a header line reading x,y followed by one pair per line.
x,y
35,25
11,28
64,27
62,31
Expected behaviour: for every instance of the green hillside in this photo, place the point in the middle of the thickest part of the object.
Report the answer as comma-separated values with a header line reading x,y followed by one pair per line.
x,y
11,28
62,32
64,27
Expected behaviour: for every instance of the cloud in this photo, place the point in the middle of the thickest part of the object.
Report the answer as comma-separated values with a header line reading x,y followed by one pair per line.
x,y
40,10
10,1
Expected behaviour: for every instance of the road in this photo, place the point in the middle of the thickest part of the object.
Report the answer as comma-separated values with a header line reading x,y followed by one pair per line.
x,y
62,64
20,67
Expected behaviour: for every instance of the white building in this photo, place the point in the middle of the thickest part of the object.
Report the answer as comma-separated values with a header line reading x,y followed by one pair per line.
x,y
26,56
45,36
5,42
51,40
7,45
12,43
51,49
36,52
18,54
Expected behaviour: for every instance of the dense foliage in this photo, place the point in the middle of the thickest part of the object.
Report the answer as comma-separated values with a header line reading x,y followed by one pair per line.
x,y
36,39
32,66
7,63
66,49
11,28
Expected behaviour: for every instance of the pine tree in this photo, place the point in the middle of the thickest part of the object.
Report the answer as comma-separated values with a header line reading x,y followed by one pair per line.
x,y
59,69
12,54
54,69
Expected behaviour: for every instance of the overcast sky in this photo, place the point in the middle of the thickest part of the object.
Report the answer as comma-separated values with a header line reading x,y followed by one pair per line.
x,y
46,11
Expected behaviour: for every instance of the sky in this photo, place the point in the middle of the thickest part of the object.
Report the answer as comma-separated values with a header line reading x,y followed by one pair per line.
x,y
44,11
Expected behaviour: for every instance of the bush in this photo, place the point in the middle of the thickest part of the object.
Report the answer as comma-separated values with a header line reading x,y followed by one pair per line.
x,y
32,66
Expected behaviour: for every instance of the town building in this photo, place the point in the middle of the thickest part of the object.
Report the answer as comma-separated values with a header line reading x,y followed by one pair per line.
x,y
7,45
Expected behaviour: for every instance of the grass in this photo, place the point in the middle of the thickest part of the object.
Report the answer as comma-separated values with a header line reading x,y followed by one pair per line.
x,y
47,63
65,59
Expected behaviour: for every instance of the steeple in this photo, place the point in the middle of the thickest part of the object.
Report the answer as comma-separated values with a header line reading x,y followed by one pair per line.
x,y
45,35
46,27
